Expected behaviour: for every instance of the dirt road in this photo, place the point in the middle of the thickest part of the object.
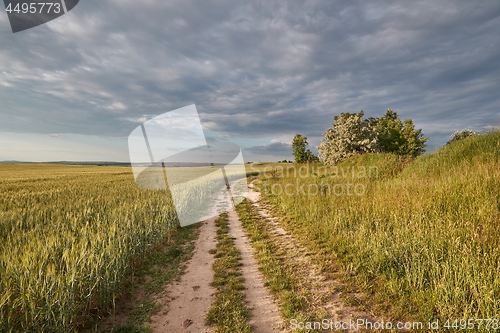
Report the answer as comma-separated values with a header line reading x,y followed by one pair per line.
x,y
187,302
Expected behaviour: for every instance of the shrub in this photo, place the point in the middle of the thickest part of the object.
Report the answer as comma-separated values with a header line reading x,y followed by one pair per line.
x,y
350,135
460,135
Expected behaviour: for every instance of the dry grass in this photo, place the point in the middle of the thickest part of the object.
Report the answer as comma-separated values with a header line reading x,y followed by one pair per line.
x,y
423,236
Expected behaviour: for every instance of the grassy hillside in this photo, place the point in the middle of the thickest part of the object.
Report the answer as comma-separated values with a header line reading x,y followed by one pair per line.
x,y
421,237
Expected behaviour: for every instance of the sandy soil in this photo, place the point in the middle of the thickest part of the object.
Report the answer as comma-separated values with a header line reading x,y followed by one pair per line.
x,y
265,313
186,303
324,289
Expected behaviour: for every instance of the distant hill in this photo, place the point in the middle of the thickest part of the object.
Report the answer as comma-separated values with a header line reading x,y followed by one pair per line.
x,y
71,163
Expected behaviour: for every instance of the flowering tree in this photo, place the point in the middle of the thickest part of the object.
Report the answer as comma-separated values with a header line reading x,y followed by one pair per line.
x,y
460,135
350,135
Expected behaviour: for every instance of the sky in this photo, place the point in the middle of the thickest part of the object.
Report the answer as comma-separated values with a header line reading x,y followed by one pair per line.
x,y
258,72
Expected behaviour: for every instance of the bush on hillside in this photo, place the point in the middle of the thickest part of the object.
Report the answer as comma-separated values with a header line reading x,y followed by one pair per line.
x,y
350,135
460,135
398,137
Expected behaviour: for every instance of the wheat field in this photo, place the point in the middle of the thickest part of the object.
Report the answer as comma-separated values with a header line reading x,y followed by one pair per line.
x,y
69,238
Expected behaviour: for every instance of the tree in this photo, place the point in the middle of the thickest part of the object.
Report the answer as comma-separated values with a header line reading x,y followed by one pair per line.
x,y
300,153
310,157
414,143
299,144
350,135
460,135
395,136
388,128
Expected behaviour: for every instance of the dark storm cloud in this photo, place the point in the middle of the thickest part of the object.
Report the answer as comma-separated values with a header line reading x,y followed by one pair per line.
x,y
254,69
274,149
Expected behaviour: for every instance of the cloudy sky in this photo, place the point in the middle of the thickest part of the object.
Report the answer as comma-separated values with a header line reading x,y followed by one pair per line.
x,y
258,71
